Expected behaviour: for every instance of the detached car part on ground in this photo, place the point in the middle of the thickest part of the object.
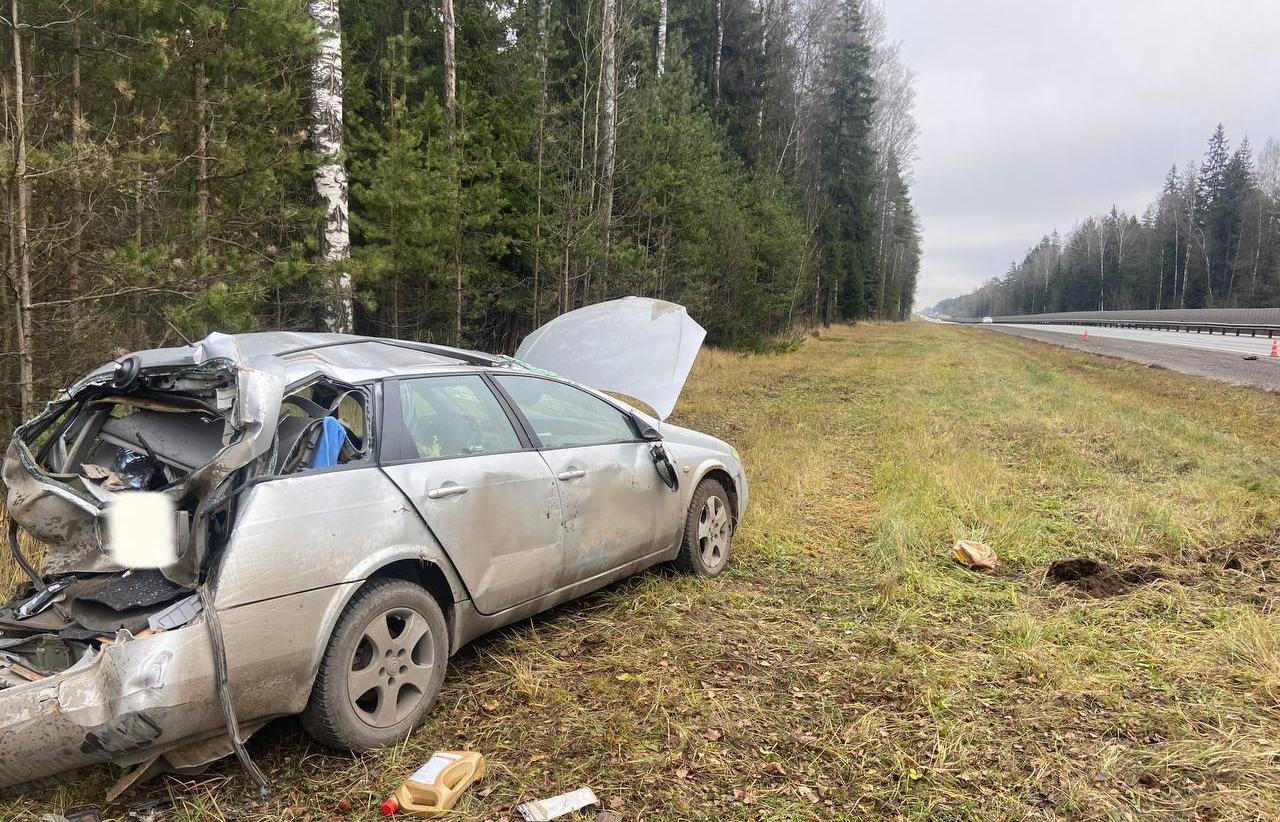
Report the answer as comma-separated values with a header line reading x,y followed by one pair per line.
x,y
350,511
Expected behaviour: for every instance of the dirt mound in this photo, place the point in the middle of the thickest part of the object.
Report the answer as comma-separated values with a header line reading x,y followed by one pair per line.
x,y
1095,578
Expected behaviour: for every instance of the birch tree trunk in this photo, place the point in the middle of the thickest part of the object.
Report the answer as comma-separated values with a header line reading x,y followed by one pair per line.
x,y
766,20
451,134
1102,272
330,174
1175,250
1257,251
450,73
715,72
609,109
661,59
22,252
544,7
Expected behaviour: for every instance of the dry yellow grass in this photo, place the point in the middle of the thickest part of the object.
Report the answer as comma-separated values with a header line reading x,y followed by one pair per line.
x,y
845,667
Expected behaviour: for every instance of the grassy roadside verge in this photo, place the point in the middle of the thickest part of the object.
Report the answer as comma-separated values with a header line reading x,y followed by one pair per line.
x,y
845,667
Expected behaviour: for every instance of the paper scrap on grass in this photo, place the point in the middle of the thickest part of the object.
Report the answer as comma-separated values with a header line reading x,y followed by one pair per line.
x,y
545,809
973,554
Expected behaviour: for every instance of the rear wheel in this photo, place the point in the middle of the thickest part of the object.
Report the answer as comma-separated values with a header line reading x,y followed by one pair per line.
x,y
382,669
708,531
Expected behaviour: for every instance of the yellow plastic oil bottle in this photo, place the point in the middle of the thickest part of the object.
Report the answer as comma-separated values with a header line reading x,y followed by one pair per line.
x,y
435,787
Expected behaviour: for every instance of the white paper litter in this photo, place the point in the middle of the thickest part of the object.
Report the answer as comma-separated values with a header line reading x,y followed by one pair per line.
x,y
557,806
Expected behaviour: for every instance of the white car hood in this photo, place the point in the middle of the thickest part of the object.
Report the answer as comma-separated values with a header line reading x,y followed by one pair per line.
x,y
635,346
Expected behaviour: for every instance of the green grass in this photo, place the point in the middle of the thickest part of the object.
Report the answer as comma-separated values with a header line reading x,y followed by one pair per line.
x,y
845,667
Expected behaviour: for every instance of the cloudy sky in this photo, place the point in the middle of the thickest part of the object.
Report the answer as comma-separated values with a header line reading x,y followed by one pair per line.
x,y
1036,113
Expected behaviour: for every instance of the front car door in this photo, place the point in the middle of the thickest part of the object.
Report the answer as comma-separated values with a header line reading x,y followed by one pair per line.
x,y
615,506
484,491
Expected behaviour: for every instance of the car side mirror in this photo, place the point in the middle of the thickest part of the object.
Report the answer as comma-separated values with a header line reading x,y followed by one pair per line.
x,y
647,432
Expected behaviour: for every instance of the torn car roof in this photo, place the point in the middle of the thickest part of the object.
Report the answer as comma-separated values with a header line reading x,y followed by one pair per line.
x,y
344,357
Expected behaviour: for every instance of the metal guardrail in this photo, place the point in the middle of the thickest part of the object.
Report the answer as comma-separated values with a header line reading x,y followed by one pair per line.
x,y
1253,321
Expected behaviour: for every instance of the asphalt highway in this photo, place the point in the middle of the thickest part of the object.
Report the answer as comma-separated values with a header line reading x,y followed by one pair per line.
x,y
1207,355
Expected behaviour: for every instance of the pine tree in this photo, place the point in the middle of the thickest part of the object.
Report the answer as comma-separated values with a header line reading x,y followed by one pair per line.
x,y
846,164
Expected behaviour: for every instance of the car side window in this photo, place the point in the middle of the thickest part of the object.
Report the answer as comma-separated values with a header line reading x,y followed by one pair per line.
x,y
564,416
453,416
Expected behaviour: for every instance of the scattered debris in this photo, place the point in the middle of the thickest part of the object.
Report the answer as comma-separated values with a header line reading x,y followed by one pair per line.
x,y
141,773
608,816
1096,579
557,806
148,811
436,787
42,599
176,615
973,555
1250,357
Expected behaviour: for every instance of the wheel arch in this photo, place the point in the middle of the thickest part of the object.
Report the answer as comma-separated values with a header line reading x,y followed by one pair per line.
x,y
427,574
721,475
409,563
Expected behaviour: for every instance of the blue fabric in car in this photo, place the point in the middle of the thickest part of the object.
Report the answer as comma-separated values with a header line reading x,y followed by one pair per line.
x,y
333,434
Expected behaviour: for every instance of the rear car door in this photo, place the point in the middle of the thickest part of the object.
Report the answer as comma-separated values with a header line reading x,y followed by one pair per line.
x,y
615,507
484,491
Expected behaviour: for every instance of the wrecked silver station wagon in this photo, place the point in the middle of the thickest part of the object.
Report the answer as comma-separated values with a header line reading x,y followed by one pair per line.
x,y
349,511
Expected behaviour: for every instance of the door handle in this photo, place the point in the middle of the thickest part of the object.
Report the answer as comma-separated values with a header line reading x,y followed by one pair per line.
x,y
572,473
449,489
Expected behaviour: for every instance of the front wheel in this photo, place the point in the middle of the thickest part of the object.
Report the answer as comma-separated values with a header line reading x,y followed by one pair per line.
x,y
708,530
382,669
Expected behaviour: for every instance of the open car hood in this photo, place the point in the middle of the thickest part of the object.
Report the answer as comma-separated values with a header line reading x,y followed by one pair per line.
x,y
636,346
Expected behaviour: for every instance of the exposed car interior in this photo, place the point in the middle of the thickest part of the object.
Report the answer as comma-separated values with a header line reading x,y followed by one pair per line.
x,y
121,441
321,424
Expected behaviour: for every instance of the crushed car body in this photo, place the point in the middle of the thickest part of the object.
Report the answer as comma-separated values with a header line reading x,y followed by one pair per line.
x,y
332,497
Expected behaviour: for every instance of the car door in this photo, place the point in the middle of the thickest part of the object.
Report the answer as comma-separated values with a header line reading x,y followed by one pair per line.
x,y
614,506
482,488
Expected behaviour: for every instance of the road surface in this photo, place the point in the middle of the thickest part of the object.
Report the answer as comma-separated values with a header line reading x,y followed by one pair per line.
x,y
1207,355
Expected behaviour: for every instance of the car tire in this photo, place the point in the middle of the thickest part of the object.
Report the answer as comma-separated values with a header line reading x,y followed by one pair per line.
x,y
708,531
382,669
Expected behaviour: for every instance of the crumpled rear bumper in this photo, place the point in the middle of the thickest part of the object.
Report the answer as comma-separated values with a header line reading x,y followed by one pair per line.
x,y
133,700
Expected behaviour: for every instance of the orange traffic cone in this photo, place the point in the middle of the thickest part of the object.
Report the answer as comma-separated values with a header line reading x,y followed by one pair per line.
x,y
1086,334
1275,347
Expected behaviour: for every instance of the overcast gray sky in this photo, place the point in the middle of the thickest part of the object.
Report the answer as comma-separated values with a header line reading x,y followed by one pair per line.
x,y
1036,113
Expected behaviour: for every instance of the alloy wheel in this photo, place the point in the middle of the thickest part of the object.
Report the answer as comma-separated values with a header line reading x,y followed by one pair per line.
x,y
390,670
713,532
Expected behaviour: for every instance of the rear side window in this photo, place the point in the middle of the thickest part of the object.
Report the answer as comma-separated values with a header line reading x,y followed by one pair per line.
x,y
564,416
453,416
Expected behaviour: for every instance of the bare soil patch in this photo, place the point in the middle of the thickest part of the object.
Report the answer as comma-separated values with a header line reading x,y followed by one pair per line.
x,y
1094,578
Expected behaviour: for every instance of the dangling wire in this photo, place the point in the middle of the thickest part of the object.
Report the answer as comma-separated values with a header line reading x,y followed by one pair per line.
x,y
224,695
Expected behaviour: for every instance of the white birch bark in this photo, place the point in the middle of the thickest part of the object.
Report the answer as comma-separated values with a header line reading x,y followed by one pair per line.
x,y
1102,256
662,36
330,174
609,109
544,7
450,71
715,73
451,131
